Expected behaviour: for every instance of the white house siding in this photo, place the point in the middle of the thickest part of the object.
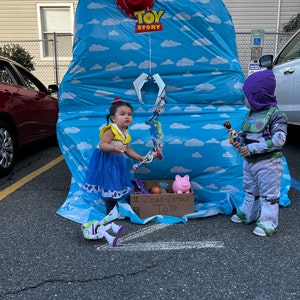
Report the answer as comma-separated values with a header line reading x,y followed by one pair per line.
x,y
257,14
18,18
19,22
19,25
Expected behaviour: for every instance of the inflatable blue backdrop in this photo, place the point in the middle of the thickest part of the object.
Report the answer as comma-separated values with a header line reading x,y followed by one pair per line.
x,y
191,45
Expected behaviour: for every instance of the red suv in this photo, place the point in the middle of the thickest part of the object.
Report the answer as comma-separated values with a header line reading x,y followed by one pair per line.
x,y
28,112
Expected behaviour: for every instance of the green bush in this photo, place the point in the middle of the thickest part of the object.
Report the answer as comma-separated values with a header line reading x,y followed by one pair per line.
x,y
18,54
293,24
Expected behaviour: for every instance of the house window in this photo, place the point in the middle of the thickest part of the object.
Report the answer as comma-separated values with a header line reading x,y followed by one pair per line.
x,y
56,29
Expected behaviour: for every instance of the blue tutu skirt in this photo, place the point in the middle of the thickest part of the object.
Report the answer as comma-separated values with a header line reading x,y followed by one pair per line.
x,y
108,175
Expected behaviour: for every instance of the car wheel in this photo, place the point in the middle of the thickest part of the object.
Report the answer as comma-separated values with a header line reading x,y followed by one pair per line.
x,y
7,149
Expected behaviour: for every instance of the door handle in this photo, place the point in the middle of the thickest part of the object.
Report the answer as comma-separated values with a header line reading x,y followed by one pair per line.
x,y
289,71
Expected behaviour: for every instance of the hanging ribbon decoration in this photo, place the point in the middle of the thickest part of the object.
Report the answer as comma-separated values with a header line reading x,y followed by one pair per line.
x,y
156,132
142,11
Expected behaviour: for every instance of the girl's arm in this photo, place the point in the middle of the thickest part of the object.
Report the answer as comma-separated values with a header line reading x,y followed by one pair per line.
x,y
131,153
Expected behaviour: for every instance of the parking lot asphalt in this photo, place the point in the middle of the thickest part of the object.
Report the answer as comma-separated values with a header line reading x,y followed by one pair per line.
x,y
44,256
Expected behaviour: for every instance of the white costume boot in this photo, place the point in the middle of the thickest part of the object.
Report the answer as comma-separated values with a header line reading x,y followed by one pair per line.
x,y
268,221
249,211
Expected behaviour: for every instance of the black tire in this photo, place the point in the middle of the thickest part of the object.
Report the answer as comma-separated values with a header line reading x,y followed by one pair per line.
x,y
7,149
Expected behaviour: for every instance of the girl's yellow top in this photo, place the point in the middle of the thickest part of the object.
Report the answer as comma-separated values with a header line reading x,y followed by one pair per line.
x,y
119,136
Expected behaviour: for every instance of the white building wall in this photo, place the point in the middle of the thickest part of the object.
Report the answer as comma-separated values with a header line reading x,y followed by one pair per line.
x,y
269,15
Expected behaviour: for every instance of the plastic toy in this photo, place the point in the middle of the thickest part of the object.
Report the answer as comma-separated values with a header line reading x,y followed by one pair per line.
x,y
158,110
233,134
181,184
155,152
163,186
95,230
139,186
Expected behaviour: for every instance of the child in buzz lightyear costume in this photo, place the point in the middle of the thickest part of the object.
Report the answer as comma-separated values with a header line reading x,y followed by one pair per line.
x,y
263,133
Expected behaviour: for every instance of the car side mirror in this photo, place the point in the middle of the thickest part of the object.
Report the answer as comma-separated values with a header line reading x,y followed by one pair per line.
x,y
266,61
52,88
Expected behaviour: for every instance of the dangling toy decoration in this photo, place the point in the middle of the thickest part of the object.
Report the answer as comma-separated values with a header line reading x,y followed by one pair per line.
x,y
155,125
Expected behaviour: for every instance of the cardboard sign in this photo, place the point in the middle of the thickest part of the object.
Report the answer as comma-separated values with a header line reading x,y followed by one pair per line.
x,y
170,204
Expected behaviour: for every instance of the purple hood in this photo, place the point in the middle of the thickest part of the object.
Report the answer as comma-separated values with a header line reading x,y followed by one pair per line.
x,y
259,89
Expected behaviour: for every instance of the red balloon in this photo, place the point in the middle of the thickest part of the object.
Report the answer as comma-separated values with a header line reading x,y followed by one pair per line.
x,y
130,6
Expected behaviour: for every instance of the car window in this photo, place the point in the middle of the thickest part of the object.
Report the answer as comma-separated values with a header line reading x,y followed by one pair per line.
x,y
291,51
30,81
5,75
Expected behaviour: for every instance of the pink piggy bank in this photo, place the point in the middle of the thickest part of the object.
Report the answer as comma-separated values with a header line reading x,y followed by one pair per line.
x,y
181,184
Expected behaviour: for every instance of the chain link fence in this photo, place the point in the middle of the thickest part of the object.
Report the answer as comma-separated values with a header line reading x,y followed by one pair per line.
x,y
52,56
273,42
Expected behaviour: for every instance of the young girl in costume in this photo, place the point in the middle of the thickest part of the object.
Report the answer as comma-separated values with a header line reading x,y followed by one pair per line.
x,y
107,172
263,134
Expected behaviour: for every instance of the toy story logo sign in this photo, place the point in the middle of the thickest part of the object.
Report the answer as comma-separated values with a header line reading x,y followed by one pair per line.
x,y
148,21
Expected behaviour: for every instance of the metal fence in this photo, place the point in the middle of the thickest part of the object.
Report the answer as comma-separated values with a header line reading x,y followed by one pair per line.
x,y
52,57
273,42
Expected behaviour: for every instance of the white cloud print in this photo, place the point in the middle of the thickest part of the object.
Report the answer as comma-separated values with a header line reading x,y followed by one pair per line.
x,y
94,5
167,62
110,21
176,142
227,155
178,169
71,130
213,19
202,42
84,146
67,95
182,16
146,64
139,126
113,33
169,43
94,21
102,93
77,69
96,48
213,126
184,62
196,155
193,143
131,46
212,141
229,188
179,126
219,60
214,170
205,87
113,67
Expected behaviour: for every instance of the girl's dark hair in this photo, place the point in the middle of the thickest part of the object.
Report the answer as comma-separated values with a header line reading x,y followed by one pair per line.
x,y
113,109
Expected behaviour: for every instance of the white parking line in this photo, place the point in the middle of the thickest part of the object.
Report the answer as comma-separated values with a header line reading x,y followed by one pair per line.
x,y
164,246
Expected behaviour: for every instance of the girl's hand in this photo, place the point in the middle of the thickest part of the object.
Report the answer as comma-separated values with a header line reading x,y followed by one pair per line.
x,y
140,158
120,148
